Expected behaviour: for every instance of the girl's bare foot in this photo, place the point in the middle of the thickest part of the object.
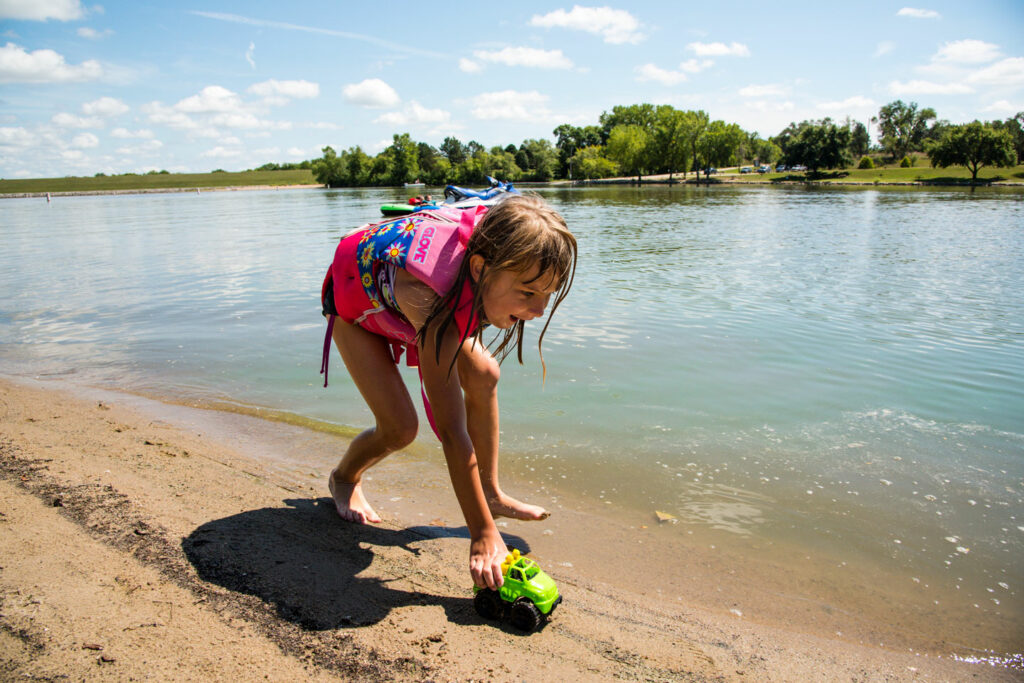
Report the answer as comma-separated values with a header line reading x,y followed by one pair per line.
x,y
349,501
506,506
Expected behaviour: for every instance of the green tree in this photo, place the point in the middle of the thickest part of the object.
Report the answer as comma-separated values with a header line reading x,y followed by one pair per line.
x,y
973,145
669,149
538,159
381,170
330,170
642,115
903,127
757,149
405,155
438,173
453,150
1014,126
628,146
500,164
569,138
860,141
819,145
590,163
695,123
434,167
718,144
358,164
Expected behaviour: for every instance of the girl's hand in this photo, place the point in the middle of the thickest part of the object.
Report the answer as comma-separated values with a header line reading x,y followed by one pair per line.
x,y
486,553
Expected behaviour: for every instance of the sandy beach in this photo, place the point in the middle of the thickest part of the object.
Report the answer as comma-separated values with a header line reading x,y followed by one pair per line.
x,y
149,541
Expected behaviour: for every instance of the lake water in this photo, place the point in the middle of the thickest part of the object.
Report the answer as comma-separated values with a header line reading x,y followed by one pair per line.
x,y
836,369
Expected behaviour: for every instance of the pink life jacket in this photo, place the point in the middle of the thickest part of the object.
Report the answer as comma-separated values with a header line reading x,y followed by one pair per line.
x,y
430,245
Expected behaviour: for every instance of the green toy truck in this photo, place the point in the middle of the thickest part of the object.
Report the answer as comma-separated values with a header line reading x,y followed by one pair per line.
x,y
528,593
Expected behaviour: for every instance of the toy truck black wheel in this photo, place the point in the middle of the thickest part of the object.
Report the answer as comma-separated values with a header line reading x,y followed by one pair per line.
x,y
488,604
525,616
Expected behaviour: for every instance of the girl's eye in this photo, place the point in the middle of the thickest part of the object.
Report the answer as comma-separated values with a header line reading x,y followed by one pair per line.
x,y
527,294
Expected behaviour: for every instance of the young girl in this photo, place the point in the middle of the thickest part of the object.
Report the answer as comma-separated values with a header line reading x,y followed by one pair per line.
x,y
427,284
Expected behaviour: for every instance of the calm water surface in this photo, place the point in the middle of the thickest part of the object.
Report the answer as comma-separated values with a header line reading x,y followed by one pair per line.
x,y
837,369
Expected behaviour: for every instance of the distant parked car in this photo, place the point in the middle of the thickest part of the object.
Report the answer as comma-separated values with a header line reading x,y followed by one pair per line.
x,y
747,169
798,167
709,171
780,168
763,168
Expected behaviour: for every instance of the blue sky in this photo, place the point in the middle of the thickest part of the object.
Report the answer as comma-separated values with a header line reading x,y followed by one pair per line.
x,y
136,86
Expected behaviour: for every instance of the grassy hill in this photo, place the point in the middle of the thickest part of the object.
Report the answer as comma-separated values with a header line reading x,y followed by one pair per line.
x,y
157,181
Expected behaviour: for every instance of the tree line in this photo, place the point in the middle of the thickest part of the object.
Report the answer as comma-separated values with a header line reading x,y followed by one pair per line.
x,y
646,139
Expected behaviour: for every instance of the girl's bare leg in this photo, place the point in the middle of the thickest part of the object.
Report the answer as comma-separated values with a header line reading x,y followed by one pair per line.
x,y
479,373
368,359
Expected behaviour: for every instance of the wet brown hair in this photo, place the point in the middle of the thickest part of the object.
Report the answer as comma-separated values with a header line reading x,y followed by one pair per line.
x,y
517,234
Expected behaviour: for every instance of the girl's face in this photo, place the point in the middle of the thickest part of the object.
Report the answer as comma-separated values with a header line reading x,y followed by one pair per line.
x,y
511,296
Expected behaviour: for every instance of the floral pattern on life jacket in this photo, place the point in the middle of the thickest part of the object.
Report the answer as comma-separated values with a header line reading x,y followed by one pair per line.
x,y
387,242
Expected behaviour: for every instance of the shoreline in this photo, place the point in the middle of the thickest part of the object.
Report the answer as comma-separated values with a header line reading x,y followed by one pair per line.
x,y
153,190
175,496
650,180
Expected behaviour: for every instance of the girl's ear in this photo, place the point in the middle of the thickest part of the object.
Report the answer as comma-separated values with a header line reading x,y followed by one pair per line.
x,y
476,267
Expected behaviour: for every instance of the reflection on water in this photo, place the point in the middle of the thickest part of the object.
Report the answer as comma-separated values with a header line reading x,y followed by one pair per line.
x,y
841,369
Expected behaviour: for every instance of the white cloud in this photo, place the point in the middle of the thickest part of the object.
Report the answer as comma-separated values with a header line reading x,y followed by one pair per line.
x,y
16,137
510,104
212,98
105,106
160,114
1008,73
692,66
469,66
93,34
651,72
284,90
526,56
616,26
323,125
918,13
148,147
414,113
43,66
41,10
1003,107
221,153
719,49
928,88
967,52
125,134
85,141
857,102
769,90
65,120
246,120
249,54
372,92
884,48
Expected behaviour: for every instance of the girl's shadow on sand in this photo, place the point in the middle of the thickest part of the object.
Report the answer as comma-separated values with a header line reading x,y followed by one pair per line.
x,y
306,563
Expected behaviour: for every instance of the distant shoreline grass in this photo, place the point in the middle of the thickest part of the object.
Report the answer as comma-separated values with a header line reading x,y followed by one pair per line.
x,y
165,182
172,182
922,174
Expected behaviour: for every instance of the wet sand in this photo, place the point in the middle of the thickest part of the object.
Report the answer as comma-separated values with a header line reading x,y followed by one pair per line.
x,y
141,539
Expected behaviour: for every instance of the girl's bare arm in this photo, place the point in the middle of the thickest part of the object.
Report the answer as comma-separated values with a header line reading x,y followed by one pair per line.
x,y
487,549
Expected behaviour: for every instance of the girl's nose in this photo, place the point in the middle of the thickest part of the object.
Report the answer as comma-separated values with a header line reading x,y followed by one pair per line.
x,y
538,305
